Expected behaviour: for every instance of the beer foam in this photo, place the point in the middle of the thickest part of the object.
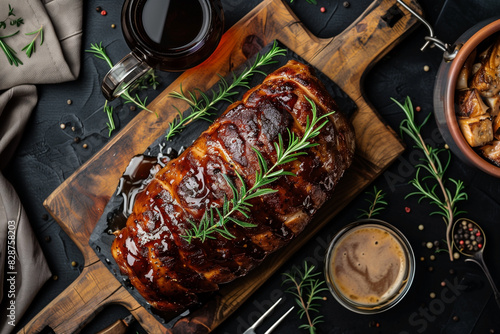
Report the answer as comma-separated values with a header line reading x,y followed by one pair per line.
x,y
369,265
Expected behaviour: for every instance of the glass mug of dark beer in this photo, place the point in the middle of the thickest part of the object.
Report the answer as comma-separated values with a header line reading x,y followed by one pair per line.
x,y
170,35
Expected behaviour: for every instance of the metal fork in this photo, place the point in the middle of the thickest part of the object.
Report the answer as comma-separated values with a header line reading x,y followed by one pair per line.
x,y
251,329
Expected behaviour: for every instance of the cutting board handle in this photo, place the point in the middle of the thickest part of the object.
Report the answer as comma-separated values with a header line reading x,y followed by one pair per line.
x,y
94,289
80,302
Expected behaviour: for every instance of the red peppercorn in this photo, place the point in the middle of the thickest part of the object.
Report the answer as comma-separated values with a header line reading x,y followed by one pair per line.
x,y
478,234
417,108
461,242
104,13
407,209
480,245
322,9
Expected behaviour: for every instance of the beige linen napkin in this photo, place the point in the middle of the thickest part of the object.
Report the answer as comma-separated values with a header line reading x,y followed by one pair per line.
x,y
23,268
22,264
58,58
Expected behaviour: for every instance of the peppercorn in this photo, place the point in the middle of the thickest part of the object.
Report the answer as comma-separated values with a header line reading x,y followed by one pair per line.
x,y
85,146
455,318
63,126
104,13
418,108
45,216
407,209
98,9
322,9
426,68
346,4
113,26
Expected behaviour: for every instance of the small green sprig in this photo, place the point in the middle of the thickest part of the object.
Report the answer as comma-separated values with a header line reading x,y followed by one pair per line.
x,y
431,164
30,48
111,123
377,203
306,287
13,22
215,219
203,107
9,52
99,52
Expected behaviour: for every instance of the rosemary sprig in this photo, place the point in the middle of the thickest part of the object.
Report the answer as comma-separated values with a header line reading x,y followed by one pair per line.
x,y
17,22
109,112
447,200
215,219
306,288
201,108
99,51
30,48
9,52
377,200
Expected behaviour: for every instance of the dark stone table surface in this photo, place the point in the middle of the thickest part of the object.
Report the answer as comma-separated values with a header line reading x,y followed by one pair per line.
x,y
47,156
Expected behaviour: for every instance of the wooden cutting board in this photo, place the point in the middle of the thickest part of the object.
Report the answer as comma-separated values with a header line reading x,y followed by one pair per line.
x,y
79,201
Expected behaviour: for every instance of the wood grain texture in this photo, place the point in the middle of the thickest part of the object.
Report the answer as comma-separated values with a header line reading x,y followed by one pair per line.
x,y
79,201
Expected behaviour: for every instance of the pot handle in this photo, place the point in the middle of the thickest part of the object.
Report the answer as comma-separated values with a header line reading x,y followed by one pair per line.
x,y
450,51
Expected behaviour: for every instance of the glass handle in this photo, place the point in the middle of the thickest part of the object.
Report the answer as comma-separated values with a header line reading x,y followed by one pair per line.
x,y
123,75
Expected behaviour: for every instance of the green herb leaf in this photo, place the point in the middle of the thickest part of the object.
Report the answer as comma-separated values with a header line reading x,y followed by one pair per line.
x,y
377,200
30,48
9,52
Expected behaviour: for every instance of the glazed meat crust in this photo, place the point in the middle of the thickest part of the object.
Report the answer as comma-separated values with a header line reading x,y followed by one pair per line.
x,y
169,272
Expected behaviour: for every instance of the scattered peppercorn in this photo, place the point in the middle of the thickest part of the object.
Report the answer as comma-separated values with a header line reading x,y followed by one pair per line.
x,y
418,108
422,258
407,209
346,4
432,295
432,257
69,102
443,283
98,9
431,269
63,126
113,26
45,216
436,243
85,146
55,277
452,271
132,108
421,227
429,245
74,264
446,146
47,238
322,9
76,139
455,318
456,256
426,68
104,13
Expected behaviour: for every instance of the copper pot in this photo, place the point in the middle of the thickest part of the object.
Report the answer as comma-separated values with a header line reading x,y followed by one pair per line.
x,y
444,96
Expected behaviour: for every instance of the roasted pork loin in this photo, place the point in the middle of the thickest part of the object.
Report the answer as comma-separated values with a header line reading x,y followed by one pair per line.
x,y
168,271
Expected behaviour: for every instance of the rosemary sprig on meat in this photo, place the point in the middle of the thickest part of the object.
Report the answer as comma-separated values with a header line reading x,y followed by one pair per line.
x,y
306,288
447,199
202,107
377,203
215,219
